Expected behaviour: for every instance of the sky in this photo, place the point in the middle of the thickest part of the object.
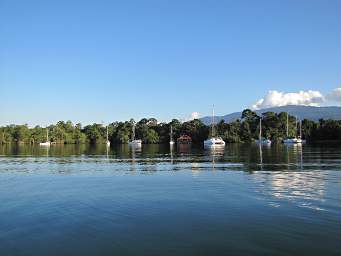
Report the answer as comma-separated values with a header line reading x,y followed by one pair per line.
x,y
101,61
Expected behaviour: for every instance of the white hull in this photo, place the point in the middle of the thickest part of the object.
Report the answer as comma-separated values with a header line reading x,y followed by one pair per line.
x,y
135,143
218,142
293,141
108,143
47,143
264,142
171,143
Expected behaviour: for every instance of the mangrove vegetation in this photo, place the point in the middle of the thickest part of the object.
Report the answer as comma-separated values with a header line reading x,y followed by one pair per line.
x,y
243,130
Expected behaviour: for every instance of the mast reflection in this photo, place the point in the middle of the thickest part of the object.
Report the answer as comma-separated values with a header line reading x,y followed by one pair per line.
x,y
216,152
293,183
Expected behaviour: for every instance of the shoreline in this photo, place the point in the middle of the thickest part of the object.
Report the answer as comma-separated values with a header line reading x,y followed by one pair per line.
x,y
314,142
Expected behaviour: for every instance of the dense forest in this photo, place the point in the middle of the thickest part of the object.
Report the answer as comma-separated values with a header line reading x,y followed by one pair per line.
x,y
243,130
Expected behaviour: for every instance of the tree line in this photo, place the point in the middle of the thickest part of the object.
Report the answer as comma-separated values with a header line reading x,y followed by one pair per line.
x,y
243,130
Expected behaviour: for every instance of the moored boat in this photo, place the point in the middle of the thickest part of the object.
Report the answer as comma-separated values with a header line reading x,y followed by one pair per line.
x,y
261,140
171,141
294,140
47,142
108,141
134,142
214,141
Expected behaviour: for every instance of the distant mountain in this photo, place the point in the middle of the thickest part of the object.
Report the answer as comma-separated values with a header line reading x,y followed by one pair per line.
x,y
302,112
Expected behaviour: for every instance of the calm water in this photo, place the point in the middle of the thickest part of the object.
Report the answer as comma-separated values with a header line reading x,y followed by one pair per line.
x,y
70,200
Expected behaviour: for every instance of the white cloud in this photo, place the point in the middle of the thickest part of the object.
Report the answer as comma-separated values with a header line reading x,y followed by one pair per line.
x,y
277,99
195,115
335,95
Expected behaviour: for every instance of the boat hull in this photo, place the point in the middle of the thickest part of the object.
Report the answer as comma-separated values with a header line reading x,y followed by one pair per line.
x,y
135,143
214,142
263,142
45,144
293,141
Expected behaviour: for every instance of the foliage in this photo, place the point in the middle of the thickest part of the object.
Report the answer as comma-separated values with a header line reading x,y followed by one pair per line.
x,y
150,131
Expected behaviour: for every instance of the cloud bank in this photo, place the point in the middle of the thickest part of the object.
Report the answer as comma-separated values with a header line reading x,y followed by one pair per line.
x,y
335,95
305,98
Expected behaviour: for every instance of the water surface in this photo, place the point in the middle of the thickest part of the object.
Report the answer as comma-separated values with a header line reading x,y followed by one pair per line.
x,y
243,200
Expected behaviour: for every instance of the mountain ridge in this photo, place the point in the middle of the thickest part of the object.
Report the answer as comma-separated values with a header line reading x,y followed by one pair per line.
x,y
302,112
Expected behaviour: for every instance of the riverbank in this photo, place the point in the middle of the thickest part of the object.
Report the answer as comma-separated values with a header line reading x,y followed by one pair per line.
x,y
150,131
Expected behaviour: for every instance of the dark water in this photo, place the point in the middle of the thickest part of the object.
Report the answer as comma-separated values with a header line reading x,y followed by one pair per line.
x,y
70,200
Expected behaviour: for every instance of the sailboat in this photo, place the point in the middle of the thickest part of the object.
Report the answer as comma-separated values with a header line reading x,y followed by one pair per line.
x,y
261,140
108,142
214,140
300,136
133,142
293,140
171,141
47,142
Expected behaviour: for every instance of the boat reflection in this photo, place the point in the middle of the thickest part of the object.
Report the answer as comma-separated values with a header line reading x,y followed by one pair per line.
x,y
215,152
171,153
133,150
294,154
262,147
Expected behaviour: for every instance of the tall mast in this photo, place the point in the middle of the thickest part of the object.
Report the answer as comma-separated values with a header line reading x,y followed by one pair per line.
x,y
212,125
107,134
260,129
133,132
287,125
171,133
300,129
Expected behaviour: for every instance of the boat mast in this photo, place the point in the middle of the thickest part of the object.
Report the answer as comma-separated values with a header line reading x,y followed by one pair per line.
x,y
287,125
171,133
133,132
107,134
212,125
260,129
300,129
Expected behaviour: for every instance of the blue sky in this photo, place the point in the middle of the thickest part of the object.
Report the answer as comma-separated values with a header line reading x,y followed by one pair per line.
x,y
93,61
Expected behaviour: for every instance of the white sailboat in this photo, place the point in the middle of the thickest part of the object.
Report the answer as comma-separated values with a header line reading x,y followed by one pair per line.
x,y
214,141
261,140
300,136
171,141
47,142
293,140
133,142
108,142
